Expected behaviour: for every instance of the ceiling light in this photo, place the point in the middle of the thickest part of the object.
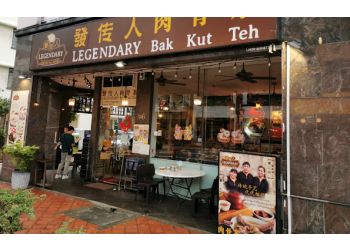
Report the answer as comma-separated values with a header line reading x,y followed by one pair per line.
x,y
152,72
258,105
120,64
235,65
21,76
87,109
232,108
175,73
165,108
219,70
71,102
160,115
36,104
62,109
197,101
125,101
190,75
320,40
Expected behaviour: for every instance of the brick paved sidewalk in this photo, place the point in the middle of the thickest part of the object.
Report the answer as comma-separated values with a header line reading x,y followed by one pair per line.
x,y
50,216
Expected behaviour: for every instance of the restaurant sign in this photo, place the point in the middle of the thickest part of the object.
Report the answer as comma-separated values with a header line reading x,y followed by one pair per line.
x,y
111,39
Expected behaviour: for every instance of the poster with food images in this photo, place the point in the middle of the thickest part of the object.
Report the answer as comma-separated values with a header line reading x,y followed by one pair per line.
x,y
140,142
18,116
247,193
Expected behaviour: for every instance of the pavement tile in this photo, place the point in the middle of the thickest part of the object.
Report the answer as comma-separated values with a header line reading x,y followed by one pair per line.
x,y
49,217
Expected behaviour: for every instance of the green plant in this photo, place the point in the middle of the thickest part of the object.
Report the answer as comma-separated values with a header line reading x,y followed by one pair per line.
x,y
21,156
12,205
65,230
4,106
2,137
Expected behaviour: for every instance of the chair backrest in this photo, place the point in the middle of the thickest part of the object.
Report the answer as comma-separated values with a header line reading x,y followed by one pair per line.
x,y
215,186
145,172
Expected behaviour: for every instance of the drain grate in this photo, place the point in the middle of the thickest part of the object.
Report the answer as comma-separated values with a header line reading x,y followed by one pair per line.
x,y
101,216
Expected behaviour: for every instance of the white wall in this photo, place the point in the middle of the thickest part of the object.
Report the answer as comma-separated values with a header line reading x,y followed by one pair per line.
x,y
7,58
9,21
4,93
24,22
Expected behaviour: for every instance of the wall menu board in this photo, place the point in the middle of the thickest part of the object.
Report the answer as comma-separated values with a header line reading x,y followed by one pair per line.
x,y
247,193
18,116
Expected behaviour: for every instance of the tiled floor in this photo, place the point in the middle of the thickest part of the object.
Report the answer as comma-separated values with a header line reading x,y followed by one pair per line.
x,y
50,215
168,209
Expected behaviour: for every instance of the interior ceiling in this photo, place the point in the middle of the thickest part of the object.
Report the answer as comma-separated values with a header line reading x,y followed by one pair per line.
x,y
214,82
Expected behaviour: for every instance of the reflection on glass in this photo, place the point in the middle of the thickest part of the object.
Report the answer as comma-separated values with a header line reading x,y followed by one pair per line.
x,y
237,112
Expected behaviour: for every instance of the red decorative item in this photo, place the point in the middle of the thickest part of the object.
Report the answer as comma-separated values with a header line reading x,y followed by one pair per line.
x,y
126,124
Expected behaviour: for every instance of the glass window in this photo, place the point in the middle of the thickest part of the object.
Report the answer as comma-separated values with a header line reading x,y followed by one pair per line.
x,y
240,109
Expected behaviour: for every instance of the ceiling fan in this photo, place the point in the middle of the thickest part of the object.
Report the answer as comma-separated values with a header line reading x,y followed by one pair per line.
x,y
162,81
246,76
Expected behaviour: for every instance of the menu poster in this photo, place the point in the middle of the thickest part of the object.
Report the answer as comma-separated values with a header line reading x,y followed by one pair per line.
x,y
247,193
18,116
140,142
141,133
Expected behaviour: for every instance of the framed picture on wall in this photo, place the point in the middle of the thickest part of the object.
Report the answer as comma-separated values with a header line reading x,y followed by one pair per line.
x,y
248,195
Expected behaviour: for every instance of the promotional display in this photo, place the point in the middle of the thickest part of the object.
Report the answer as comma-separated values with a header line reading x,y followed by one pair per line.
x,y
247,193
140,142
18,116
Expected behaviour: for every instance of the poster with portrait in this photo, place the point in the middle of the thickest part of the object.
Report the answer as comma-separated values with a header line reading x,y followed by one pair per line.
x,y
18,116
140,141
247,193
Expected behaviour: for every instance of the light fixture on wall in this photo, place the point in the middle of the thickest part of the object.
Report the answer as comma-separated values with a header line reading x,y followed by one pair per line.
x,y
219,69
38,92
120,64
198,99
235,65
71,102
24,76
125,101
176,73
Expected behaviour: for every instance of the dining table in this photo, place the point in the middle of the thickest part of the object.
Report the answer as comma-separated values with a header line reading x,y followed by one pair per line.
x,y
181,178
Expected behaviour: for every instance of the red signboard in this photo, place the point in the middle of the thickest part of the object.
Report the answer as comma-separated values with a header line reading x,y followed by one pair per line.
x,y
111,39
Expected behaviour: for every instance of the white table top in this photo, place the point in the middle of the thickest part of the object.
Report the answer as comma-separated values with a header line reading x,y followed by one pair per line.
x,y
183,173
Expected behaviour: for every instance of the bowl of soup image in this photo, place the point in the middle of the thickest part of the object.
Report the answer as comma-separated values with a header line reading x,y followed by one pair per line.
x,y
224,205
263,214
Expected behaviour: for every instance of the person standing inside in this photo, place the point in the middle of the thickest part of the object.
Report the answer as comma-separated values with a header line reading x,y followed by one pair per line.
x,y
231,183
260,182
67,142
245,178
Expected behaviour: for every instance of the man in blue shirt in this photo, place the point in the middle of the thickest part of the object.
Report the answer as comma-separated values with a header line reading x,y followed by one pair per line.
x,y
67,142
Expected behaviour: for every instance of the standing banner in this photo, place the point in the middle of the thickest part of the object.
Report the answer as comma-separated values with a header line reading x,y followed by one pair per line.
x,y
247,193
18,116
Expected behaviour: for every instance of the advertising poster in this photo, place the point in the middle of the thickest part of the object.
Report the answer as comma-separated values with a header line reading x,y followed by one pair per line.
x,y
18,116
247,194
140,142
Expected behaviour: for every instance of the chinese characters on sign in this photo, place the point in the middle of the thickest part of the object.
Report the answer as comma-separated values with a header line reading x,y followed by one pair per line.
x,y
126,37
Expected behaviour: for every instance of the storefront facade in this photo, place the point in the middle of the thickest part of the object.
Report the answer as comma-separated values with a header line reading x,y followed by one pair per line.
x,y
306,85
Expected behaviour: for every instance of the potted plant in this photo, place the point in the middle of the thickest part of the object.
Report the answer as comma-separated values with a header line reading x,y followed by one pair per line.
x,y
21,157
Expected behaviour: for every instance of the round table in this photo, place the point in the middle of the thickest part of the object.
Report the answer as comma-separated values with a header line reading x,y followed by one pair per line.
x,y
186,174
